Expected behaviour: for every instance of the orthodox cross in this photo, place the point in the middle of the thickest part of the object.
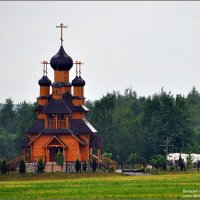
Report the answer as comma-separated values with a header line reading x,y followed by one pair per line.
x,y
166,145
80,63
45,63
61,32
76,67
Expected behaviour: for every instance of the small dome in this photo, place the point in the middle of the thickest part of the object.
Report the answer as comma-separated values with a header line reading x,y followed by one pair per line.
x,y
61,61
78,81
44,81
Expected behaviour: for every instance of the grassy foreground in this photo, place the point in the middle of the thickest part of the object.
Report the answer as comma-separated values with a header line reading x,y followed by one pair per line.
x,y
100,186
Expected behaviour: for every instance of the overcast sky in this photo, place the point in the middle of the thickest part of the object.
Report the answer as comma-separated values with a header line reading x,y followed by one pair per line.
x,y
143,45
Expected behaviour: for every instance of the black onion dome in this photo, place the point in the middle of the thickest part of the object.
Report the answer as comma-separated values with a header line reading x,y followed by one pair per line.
x,y
61,61
82,81
78,81
44,81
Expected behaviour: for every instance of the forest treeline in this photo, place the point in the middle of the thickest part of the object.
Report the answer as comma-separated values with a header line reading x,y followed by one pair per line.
x,y
128,123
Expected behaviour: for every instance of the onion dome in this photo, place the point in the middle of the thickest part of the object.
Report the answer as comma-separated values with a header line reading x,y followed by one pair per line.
x,y
44,81
61,61
78,81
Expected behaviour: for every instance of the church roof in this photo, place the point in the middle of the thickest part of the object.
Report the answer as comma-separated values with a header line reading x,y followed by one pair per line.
x,y
79,138
37,126
61,61
39,108
62,131
56,106
78,81
55,140
81,126
44,81
67,98
24,141
76,126
96,141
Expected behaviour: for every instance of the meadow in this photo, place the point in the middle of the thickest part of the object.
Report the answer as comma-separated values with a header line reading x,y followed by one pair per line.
x,y
100,186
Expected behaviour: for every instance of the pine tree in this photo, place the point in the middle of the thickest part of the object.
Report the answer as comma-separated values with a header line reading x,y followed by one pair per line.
x,y
4,166
94,165
40,166
59,158
84,167
77,165
22,166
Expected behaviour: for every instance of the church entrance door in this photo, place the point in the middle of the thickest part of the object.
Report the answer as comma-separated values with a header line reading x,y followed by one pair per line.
x,y
53,152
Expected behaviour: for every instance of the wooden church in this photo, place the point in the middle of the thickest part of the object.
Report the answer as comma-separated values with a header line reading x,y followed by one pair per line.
x,y
61,122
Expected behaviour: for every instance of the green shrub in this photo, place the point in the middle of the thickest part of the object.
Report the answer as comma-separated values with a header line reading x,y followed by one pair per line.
x,y
112,169
40,166
189,160
4,166
94,165
59,158
181,163
158,161
22,166
107,155
77,165
84,167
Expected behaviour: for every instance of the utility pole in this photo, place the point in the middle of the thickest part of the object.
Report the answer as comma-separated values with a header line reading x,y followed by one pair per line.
x,y
166,149
166,145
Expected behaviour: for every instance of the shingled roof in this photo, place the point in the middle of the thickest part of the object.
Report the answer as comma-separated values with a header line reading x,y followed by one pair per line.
x,y
81,126
60,131
24,141
67,98
96,141
39,108
56,106
37,127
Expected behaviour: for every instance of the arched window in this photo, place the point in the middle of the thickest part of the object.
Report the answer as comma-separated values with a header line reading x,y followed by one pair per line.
x,y
61,117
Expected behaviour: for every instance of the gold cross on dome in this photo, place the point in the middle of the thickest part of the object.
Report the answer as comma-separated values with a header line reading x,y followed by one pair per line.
x,y
45,63
61,32
76,63
80,63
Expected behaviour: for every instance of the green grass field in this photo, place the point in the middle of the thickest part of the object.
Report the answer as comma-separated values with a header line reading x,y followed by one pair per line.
x,y
100,186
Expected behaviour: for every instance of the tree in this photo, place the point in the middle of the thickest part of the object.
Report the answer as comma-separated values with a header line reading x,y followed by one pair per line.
x,y
77,165
4,166
158,161
59,158
22,166
94,165
107,155
7,144
84,167
8,116
132,158
181,163
13,122
189,159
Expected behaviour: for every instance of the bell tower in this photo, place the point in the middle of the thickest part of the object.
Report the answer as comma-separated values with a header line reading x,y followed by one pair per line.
x,y
44,84
61,63
78,86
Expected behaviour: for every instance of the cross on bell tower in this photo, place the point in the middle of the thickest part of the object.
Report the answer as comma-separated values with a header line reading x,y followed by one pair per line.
x,y
61,32
76,63
80,63
45,63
